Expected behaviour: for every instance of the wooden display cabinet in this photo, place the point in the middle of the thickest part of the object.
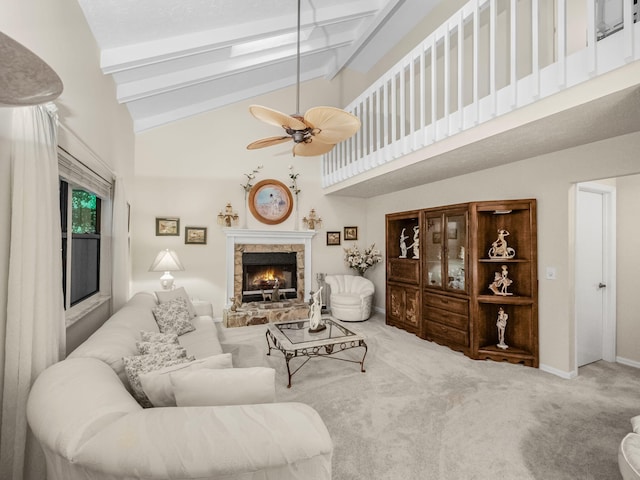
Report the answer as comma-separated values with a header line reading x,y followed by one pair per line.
x,y
403,271
445,295
445,311
518,217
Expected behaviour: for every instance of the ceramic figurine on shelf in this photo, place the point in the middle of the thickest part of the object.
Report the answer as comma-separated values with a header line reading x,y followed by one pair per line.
x,y
499,248
315,318
416,242
403,244
501,282
501,323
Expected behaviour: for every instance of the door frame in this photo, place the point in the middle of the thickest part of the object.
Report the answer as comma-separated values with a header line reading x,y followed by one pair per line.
x,y
608,193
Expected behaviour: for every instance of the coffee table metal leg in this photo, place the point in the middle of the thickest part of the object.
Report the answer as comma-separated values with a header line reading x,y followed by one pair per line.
x,y
362,344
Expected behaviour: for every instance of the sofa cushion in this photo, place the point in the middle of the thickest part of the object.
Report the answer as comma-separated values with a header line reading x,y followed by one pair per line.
x,y
136,365
228,386
157,384
167,295
173,317
158,337
347,299
203,341
118,335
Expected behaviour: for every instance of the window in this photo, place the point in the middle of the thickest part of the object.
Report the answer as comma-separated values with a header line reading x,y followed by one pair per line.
x,y
85,218
80,217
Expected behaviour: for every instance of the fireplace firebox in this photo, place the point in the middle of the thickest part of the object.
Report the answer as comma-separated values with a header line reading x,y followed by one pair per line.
x,y
263,271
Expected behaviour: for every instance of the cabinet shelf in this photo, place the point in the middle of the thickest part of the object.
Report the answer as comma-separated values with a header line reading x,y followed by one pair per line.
x,y
503,260
507,300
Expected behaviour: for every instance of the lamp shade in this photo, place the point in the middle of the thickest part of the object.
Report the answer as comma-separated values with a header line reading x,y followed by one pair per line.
x,y
166,261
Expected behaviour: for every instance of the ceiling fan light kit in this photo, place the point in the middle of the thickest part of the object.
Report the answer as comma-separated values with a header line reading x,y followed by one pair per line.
x,y
314,133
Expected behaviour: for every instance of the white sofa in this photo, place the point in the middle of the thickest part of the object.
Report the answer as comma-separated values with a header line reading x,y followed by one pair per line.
x,y
629,452
351,297
90,427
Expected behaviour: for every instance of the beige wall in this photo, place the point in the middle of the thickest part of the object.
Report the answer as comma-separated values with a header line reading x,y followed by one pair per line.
x,y
628,266
192,168
59,34
549,179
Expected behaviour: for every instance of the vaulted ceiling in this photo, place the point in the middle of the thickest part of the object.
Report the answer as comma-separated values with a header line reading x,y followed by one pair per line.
x,y
171,59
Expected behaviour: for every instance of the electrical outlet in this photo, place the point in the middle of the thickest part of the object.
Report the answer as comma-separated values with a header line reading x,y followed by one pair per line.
x,y
551,273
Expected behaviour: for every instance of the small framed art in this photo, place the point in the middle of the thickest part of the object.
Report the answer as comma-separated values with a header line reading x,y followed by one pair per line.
x,y
333,238
195,235
350,233
167,226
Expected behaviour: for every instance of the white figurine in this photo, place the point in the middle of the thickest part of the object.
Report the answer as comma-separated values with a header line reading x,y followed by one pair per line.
x,y
315,318
403,244
501,282
499,248
501,323
416,242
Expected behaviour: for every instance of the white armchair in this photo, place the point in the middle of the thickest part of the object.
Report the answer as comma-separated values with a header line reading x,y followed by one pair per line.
x,y
351,297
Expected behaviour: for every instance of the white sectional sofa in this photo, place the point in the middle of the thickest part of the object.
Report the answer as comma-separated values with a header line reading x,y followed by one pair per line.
x,y
90,426
629,452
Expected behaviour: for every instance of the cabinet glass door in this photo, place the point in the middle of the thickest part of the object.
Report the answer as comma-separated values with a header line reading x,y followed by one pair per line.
x,y
456,238
434,243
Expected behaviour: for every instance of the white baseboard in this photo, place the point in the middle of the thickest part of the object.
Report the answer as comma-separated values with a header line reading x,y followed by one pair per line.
x,y
380,310
626,361
559,373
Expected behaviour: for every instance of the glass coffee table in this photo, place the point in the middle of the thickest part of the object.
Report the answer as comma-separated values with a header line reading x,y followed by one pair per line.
x,y
294,340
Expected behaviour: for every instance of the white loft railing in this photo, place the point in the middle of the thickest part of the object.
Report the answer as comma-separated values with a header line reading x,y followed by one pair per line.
x,y
490,58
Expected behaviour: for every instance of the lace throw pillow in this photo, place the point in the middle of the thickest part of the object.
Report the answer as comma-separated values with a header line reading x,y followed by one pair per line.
x,y
158,337
145,348
173,317
136,365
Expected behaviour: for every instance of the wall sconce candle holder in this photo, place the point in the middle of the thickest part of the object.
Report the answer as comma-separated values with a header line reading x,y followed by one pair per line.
x,y
312,221
229,217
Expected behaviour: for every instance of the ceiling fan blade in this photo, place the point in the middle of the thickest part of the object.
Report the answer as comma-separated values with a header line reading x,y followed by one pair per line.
x,y
276,118
311,149
334,125
267,142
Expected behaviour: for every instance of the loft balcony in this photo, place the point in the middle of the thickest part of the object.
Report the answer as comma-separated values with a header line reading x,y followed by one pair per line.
x,y
499,81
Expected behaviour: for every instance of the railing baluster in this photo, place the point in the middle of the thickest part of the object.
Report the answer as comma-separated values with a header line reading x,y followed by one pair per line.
x,y
423,87
561,30
513,50
434,88
460,71
592,42
535,48
447,80
493,18
412,100
476,67
628,30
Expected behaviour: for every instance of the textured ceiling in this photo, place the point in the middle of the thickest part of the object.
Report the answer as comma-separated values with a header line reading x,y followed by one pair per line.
x,y
172,59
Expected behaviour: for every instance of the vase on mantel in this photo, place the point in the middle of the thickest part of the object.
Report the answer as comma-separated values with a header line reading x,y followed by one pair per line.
x,y
296,220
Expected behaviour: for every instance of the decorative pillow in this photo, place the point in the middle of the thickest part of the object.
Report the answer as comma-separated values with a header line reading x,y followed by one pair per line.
x,y
165,295
171,348
228,386
158,337
157,384
173,317
136,365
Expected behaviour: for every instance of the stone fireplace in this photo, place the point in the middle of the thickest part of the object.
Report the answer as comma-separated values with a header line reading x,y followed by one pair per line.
x,y
254,259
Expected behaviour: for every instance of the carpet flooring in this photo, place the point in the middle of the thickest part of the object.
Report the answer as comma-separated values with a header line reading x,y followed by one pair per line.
x,y
422,411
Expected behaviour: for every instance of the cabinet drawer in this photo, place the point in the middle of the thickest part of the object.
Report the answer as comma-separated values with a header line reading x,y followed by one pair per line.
x,y
448,334
450,304
404,270
460,322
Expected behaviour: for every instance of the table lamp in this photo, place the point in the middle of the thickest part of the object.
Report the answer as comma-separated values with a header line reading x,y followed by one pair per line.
x,y
166,261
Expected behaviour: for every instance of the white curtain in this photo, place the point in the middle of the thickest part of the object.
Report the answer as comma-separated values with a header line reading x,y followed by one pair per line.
x,y
32,325
120,248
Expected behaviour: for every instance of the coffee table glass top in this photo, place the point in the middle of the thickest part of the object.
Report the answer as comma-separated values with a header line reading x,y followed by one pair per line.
x,y
297,333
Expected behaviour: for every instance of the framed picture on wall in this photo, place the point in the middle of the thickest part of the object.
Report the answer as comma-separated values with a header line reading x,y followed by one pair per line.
x,y
167,226
351,233
195,235
270,201
333,238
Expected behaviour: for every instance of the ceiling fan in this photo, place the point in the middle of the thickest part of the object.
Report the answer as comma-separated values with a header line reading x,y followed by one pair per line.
x,y
314,133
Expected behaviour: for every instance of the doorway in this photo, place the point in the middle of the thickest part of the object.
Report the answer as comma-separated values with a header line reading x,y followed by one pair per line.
x,y
595,273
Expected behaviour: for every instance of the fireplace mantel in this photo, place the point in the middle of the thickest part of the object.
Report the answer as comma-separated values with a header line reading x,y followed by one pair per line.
x,y
266,237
